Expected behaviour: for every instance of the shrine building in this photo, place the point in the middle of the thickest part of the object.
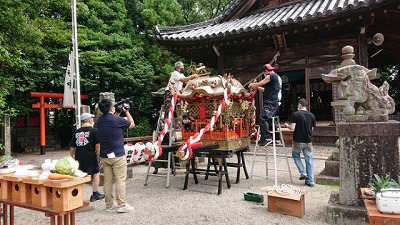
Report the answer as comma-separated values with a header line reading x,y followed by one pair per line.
x,y
302,39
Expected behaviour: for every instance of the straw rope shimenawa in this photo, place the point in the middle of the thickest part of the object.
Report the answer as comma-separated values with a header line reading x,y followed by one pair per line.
x,y
284,189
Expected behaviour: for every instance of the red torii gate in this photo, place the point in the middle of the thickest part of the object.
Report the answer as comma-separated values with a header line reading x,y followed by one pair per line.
x,y
41,105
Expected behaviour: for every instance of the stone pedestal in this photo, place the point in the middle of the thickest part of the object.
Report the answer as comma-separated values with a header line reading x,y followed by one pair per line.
x,y
343,214
330,174
366,148
5,132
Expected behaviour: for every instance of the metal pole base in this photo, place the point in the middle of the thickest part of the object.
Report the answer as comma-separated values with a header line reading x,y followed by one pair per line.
x,y
42,150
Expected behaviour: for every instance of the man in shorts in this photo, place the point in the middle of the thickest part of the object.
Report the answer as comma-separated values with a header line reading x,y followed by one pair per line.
x,y
85,148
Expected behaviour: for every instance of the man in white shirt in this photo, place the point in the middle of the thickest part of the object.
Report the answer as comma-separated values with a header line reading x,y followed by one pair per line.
x,y
175,84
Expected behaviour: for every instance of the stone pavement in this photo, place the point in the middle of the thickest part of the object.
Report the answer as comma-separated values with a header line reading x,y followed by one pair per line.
x,y
199,204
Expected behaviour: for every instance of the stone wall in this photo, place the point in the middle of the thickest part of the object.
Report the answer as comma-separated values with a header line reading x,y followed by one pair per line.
x,y
24,139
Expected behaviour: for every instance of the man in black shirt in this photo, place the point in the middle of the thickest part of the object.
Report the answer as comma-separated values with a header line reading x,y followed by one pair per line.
x,y
85,148
271,85
303,123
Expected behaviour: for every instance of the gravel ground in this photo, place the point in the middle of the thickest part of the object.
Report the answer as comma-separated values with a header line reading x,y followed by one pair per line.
x,y
199,204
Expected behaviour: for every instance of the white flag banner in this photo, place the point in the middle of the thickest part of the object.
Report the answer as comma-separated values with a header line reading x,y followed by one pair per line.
x,y
68,100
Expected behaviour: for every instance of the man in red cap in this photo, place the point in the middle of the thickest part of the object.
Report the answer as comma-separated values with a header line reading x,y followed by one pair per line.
x,y
271,85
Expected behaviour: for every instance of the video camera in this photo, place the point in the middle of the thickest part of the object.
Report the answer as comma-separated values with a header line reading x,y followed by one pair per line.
x,y
124,103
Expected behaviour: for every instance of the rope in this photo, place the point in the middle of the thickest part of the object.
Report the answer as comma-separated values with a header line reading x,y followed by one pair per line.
x,y
167,124
253,120
286,189
197,136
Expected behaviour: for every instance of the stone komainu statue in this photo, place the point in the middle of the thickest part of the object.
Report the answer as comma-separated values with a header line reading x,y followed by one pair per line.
x,y
359,99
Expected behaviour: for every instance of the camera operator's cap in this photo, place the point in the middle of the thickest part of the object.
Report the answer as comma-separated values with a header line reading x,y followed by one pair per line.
x,y
267,67
85,116
303,102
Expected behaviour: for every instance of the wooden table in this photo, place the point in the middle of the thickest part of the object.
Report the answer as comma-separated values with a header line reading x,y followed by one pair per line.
x,y
377,218
67,197
138,139
62,218
241,162
218,159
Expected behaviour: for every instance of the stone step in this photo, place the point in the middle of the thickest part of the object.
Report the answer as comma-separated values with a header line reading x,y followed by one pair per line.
x,y
326,180
332,168
334,156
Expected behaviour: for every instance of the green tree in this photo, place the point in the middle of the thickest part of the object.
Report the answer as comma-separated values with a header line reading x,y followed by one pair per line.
x,y
161,13
390,74
195,11
146,14
116,49
112,54
172,13
34,54
19,37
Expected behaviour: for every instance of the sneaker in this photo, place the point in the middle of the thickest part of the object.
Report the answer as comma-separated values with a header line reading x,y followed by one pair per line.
x,y
125,209
264,142
113,208
310,184
99,196
303,177
155,171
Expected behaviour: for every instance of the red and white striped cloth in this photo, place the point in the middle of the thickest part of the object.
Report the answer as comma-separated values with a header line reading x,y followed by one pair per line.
x,y
192,141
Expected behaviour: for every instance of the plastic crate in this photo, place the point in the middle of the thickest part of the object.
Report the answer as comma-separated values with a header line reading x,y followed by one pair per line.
x,y
248,196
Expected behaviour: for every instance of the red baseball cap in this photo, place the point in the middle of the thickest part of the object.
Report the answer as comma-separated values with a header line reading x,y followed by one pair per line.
x,y
268,67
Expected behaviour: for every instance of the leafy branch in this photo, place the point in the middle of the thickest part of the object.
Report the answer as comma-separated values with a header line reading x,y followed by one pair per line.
x,y
383,182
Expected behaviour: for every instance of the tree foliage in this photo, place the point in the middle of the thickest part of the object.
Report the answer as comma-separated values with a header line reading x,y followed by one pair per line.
x,y
112,54
195,11
19,37
116,50
160,13
390,74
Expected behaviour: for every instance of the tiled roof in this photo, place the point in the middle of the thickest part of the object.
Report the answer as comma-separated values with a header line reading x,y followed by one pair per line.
x,y
270,18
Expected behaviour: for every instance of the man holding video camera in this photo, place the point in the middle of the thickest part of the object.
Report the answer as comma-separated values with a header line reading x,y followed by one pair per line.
x,y
112,154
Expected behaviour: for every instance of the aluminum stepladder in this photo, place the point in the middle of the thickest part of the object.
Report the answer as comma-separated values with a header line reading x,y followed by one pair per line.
x,y
266,154
169,160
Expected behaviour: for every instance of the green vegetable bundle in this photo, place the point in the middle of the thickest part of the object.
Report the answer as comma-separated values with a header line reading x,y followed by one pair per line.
x,y
67,165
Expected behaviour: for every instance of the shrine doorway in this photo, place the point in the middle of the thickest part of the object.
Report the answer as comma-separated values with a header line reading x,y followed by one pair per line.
x,y
296,85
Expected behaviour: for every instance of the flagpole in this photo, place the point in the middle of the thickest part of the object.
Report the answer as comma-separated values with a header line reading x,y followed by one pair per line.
x,y
76,59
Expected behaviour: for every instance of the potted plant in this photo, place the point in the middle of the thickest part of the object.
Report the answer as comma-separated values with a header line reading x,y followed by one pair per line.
x,y
387,193
383,182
